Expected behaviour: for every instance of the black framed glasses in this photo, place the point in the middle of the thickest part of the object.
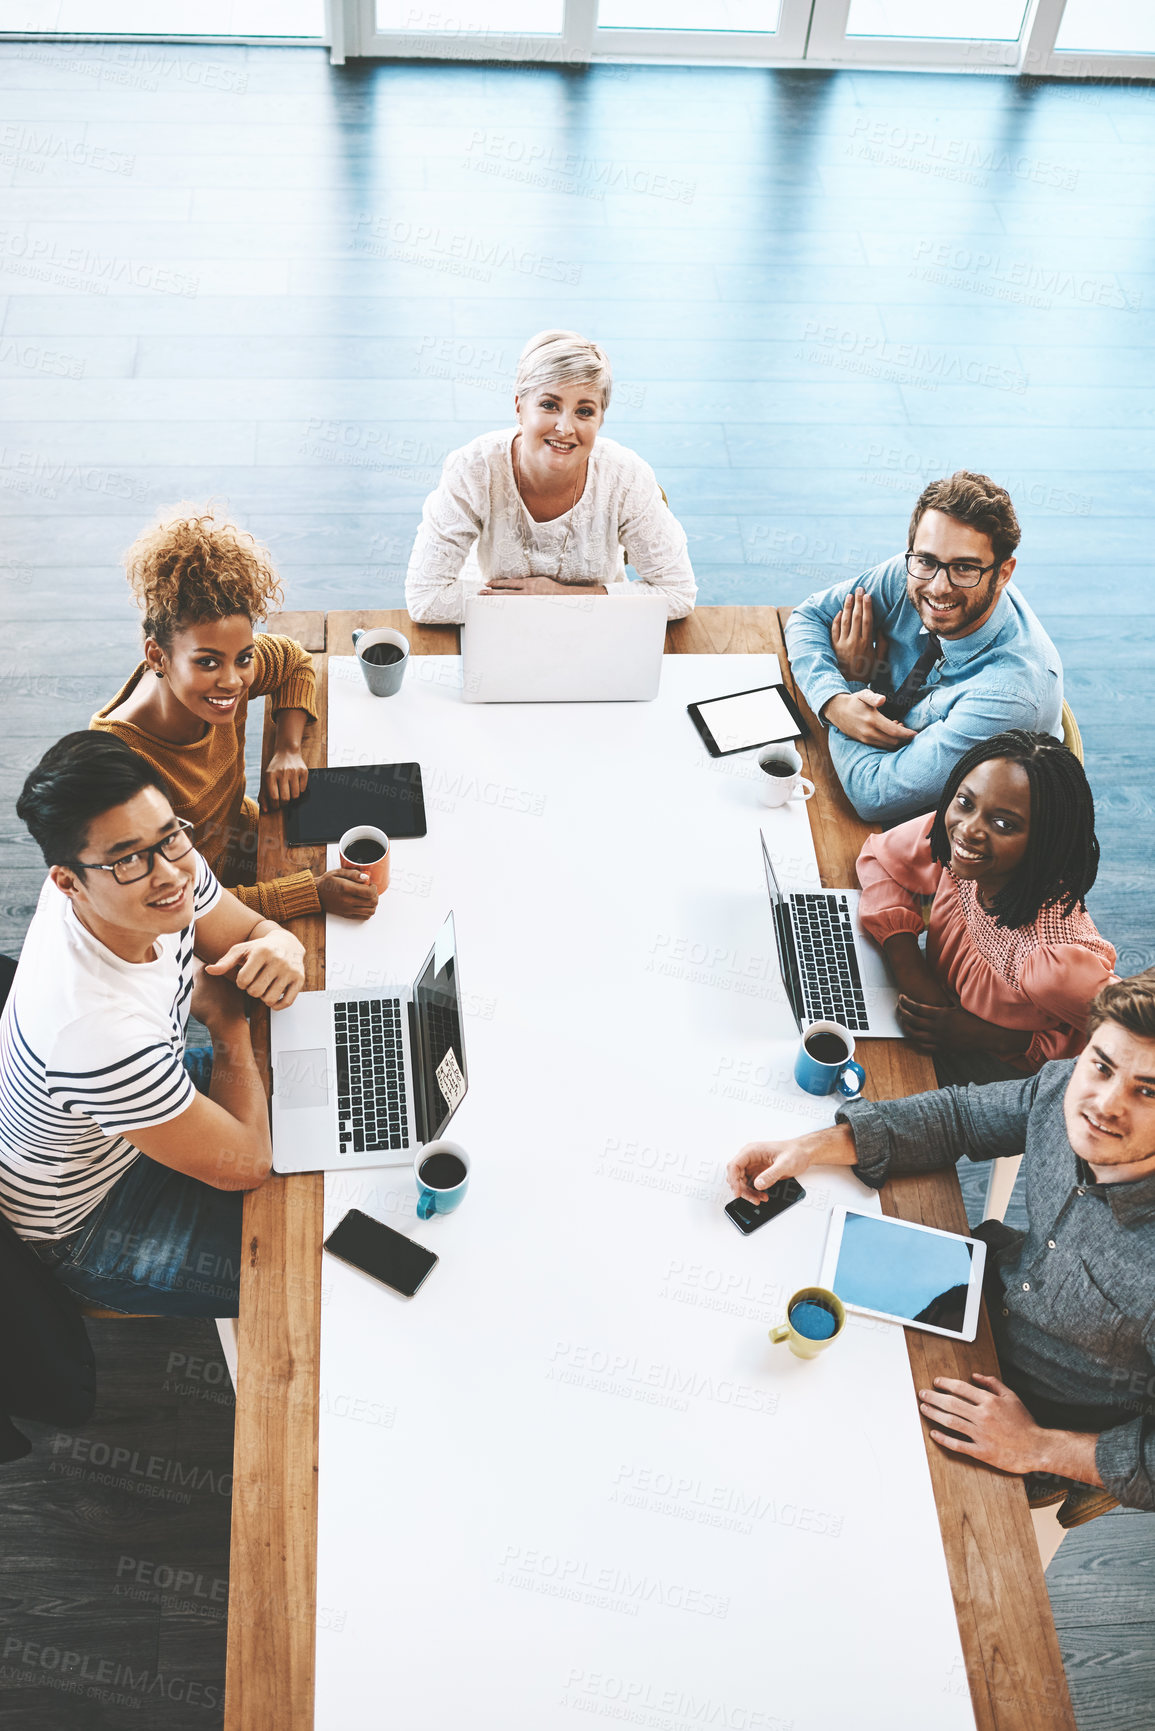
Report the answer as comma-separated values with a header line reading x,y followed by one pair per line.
x,y
131,867
960,573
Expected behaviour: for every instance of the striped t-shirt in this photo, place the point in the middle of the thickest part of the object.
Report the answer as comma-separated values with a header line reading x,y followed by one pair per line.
x,y
91,1048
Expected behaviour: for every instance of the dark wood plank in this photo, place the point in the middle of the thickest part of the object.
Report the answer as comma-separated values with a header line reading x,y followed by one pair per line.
x,y
272,1570
307,628
423,639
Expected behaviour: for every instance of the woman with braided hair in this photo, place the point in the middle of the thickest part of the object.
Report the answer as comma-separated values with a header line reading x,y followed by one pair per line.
x,y
202,583
999,878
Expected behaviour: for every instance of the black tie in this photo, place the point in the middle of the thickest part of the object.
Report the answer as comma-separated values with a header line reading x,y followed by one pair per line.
x,y
902,701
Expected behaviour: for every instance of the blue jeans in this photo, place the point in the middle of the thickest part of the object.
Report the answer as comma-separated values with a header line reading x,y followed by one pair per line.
x,y
160,1243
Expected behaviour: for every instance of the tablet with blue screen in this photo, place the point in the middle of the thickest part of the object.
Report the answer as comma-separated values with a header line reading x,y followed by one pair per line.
x,y
903,1272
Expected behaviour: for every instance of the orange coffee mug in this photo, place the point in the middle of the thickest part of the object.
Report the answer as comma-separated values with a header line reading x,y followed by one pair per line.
x,y
365,849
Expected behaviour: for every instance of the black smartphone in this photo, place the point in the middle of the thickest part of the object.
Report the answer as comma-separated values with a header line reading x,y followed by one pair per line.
x,y
749,1216
376,1249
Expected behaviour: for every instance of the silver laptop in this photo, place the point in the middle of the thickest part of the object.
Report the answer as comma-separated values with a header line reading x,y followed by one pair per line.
x,y
831,970
563,648
364,1079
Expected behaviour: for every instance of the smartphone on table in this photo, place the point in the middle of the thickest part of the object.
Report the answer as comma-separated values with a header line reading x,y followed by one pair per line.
x,y
749,1216
376,1249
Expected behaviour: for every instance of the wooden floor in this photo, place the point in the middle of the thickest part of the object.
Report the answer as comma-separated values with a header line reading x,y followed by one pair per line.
x,y
241,273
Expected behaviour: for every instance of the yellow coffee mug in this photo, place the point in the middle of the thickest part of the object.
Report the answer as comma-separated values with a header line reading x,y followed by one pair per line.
x,y
822,1303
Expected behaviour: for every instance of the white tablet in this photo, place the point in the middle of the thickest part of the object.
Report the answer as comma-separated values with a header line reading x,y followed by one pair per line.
x,y
746,719
916,1275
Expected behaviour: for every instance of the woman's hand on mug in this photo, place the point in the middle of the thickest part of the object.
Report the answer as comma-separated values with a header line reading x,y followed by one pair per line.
x,y
348,893
760,1164
539,586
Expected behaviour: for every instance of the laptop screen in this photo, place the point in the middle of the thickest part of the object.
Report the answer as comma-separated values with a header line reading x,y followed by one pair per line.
x,y
772,883
783,937
439,1074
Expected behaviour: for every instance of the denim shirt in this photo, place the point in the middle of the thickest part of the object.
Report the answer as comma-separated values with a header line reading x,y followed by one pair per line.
x,y
1005,674
1076,1325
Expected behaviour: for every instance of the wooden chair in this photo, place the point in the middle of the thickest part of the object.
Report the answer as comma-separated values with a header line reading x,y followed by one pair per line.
x,y
1072,738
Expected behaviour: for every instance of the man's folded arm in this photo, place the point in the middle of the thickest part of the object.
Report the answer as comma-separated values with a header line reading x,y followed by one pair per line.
x,y
812,659
888,786
926,1132
209,1142
1125,1460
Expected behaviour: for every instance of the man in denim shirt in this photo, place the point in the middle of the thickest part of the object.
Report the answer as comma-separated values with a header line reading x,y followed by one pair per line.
x,y
1071,1299
927,654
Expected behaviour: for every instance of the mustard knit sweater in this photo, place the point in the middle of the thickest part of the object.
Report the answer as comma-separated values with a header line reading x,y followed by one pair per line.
x,y
206,780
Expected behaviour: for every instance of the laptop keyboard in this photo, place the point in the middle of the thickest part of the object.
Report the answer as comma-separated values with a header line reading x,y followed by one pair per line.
x,y
827,962
371,1115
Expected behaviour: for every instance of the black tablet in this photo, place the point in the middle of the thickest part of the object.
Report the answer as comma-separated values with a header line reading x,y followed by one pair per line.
x,y
388,795
747,719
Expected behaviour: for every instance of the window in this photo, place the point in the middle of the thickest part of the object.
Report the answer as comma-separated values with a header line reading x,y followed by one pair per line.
x,y
1107,27
244,18
955,20
472,17
746,15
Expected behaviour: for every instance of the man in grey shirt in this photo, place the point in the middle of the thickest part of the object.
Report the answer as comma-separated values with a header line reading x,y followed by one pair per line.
x,y
1072,1299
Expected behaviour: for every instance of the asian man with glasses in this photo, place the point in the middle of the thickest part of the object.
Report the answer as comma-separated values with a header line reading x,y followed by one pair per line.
x,y
928,654
123,1178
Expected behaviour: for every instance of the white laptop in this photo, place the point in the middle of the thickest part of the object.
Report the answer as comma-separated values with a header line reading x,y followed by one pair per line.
x,y
563,648
831,969
365,1078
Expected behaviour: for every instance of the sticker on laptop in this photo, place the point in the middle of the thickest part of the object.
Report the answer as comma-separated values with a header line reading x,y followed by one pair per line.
x,y
451,1081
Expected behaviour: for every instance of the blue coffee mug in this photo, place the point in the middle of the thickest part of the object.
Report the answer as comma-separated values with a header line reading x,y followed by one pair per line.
x,y
434,1197
831,1068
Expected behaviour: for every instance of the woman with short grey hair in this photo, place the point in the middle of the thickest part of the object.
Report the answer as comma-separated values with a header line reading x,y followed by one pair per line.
x,y
547,506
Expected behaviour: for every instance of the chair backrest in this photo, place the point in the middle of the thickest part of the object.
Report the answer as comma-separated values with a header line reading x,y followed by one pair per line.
x,y
1072,738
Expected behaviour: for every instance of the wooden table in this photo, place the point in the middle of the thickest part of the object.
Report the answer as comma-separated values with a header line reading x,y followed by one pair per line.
x,y
1014,1667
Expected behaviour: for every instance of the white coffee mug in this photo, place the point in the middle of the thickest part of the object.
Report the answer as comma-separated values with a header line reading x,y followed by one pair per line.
x,y
780,775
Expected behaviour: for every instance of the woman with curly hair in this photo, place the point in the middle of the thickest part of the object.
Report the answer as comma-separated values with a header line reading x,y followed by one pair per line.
x,y
1003,868
201,583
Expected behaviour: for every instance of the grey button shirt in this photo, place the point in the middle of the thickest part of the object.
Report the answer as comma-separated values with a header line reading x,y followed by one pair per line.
x,y
1076,1326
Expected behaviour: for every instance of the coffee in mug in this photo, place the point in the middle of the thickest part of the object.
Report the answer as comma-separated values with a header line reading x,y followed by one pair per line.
x,y
382,654
366,849
781,775
825,1061
815,1317
827,1048
442,1171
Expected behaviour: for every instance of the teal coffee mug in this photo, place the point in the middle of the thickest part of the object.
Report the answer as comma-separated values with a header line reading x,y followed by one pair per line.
x,y
825,1062
442,1173
382,656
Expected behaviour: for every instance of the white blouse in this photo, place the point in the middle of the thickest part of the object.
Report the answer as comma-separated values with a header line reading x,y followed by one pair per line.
x,y
475,526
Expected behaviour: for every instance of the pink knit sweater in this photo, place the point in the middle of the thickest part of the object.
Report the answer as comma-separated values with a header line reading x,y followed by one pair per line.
x,y
1042,976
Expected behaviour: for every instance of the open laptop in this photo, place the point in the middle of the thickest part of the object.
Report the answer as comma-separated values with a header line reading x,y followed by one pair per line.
x,y
361,1078
563,648
831,970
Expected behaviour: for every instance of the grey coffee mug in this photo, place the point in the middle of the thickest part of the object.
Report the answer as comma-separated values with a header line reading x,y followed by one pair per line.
x,y
383,679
